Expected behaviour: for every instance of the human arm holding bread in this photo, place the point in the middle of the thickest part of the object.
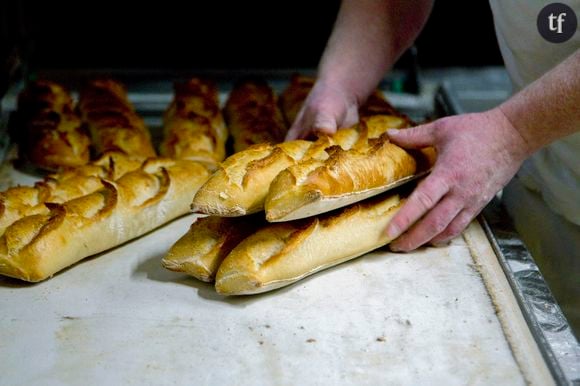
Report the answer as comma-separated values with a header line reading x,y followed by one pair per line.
x,y
477,153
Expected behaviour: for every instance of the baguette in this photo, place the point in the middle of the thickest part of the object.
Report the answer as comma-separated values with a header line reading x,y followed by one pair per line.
x,y
283,253
193,126
347,176
253,116
112,121
36,247
241,183
21,201
292,98
50,132
376,104
207,242
372,166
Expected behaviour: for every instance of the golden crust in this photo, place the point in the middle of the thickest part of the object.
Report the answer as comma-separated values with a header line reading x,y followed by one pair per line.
x,y
292,98
240,184
253,116
283,253
194,127
112,121
49,131
36,247
21,201
206,244
376,104
345,173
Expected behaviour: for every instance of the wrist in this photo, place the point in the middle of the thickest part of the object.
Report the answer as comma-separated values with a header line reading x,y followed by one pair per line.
x,y
336,88
516,142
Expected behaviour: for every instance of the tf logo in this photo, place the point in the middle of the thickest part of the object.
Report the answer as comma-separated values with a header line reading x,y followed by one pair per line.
x,y
557,22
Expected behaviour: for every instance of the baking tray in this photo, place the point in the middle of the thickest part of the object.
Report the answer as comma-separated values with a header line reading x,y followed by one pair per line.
x,y
435,316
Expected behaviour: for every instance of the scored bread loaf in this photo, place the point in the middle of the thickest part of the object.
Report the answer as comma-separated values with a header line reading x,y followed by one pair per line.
x,y
193,124
253,116
317,186
36,247
112,121
48,130
21,201
372,166
207,242
292,98
242,181
283,253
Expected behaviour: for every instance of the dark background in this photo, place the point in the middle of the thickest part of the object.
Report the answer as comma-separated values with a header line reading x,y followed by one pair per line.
x,y
215,34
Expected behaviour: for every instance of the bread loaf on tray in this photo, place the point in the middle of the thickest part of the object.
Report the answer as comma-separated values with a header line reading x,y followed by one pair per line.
x,y
48,130
347,176
283,253
292,98
253,116
112,121
207,242
21,201
371,166
242,181
37,246
193,124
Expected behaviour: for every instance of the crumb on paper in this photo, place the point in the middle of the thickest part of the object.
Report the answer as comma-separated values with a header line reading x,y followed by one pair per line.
x,y
381,339
310,340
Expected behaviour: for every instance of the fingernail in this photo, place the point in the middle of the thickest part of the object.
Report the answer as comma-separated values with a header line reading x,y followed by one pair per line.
x,y
393,131
394,247
393,231
441,244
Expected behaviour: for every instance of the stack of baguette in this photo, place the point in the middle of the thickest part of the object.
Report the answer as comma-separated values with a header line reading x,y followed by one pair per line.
x,y
48,129
343,169
193,124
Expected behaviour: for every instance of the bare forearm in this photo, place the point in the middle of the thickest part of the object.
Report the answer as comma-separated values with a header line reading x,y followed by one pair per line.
x,y
549,108
368,37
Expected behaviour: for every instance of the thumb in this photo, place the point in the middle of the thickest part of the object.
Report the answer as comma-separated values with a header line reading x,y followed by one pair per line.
x,y
325,123
320,122
414,137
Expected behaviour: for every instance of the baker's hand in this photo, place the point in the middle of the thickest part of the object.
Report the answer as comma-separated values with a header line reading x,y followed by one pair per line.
x,y
326,109
477,155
